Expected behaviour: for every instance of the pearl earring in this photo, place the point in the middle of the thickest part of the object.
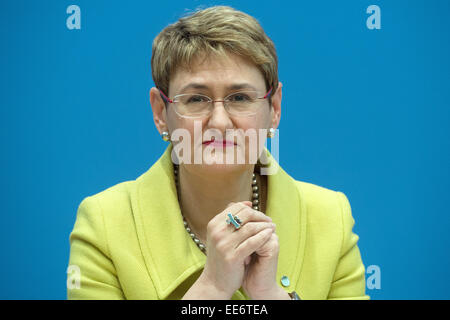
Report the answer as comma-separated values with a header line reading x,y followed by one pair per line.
x,y
165,136
271,133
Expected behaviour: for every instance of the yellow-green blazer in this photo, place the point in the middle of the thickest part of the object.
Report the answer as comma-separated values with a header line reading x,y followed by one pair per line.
x,y
129,241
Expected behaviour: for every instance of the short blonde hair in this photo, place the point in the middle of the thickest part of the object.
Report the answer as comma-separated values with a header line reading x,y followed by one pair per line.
x,y
216,30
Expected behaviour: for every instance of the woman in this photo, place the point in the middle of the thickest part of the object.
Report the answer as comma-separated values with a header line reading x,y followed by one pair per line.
x,y
206,221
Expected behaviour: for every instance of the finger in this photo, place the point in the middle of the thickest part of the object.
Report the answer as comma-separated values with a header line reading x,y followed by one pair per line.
x,y
232,208
247,214
244,213
248,203
250,245
249,230
270,247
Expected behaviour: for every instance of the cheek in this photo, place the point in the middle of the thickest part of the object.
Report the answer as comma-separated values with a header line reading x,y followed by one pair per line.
x,y
193,127
256,122
254,148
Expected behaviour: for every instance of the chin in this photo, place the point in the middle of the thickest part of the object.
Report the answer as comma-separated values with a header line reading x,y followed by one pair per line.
x,y
236,156
223,168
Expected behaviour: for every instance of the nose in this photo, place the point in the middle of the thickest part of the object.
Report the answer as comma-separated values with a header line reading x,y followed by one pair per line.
x,y
220,119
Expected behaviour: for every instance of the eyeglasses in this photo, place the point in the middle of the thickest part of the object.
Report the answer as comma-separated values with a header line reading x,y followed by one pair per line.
x,y
193,105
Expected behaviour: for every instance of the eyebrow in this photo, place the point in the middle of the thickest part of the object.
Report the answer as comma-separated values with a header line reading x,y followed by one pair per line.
x,y
236,86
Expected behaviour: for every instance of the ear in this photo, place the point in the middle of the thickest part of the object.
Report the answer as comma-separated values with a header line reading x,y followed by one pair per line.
x,y
276,107
159,110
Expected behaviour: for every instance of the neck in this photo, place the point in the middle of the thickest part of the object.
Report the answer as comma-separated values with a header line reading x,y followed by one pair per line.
x,y
204,195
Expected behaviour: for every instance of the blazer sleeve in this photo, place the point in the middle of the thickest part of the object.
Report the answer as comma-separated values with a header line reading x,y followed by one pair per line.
x,y
349,278
89,255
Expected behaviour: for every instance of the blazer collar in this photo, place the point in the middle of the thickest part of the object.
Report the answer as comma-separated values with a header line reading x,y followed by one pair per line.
x,y
170,254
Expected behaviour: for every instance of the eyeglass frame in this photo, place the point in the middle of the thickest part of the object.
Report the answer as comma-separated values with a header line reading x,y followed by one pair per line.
x,y
167,99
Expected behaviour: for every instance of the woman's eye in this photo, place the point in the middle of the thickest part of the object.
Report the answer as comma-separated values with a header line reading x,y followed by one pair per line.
x,y
240,98
196,99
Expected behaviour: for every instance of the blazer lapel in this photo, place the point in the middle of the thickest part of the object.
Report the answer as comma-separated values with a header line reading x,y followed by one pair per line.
x,y
287,208
169,253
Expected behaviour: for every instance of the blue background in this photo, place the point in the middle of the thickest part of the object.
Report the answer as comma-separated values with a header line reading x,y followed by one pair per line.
x,y
365,112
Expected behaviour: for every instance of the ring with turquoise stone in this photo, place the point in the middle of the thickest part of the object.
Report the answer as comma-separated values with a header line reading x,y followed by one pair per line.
x,y
234,220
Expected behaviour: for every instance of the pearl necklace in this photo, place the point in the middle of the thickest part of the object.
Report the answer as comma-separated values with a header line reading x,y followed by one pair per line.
x,y
255,205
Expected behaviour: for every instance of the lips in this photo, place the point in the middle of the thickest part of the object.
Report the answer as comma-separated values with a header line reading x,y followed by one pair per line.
x,y
219,143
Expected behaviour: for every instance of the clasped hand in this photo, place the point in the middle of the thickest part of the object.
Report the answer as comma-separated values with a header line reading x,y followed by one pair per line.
x,y
246,257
